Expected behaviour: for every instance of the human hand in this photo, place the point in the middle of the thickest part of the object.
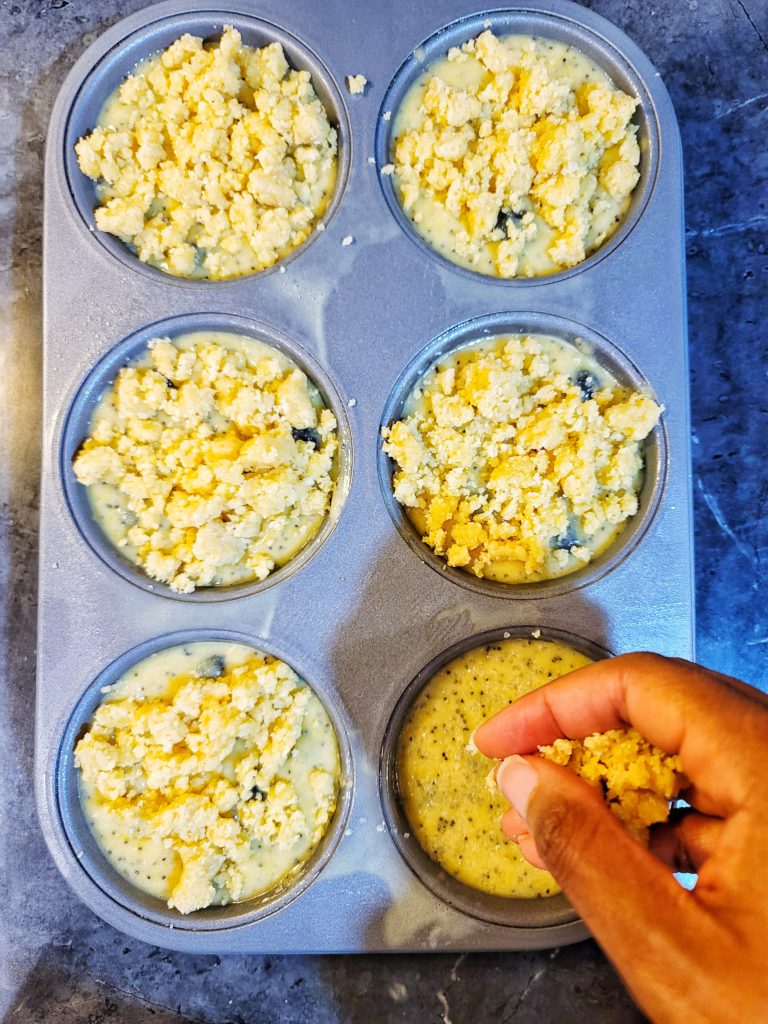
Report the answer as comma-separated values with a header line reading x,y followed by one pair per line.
x,y
688,957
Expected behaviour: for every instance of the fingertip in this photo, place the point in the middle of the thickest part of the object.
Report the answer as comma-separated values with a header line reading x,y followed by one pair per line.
x,y
527,845
515,829
484,738
513,825
516,779
502,734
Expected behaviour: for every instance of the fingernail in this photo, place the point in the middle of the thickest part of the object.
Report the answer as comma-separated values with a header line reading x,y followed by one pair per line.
x,y
513,839
516,780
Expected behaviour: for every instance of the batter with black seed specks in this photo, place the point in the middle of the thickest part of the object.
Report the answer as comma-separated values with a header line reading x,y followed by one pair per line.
x,y
442,783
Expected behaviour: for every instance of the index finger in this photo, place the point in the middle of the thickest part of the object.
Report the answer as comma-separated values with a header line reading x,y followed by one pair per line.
x,y
676,705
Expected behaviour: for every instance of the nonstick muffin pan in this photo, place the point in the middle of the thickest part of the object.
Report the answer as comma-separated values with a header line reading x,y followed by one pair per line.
x,y
371,608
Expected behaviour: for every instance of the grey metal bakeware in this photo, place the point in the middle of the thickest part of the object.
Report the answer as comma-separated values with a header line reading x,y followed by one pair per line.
x,y
362,619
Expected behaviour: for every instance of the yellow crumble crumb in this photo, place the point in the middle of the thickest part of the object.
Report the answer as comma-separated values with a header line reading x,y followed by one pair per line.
x,y
638,779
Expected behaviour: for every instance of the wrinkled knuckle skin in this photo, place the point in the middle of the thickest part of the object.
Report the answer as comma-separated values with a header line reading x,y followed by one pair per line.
x,y
555,830
647,661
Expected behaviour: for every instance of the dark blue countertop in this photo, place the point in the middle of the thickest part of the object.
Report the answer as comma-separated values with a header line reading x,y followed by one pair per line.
x,y
60,963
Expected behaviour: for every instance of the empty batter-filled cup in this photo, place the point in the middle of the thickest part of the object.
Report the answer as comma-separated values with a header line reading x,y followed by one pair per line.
x,y
437,791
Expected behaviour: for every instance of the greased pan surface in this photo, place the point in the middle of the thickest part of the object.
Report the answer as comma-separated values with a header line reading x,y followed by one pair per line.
x,y
366,614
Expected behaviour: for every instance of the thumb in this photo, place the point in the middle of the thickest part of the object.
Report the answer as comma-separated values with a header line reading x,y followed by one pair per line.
x,y
617,886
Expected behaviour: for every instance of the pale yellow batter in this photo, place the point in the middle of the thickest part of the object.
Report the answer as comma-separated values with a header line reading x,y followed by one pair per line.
x,y
520,458
443,784
208,774
212,161
210,461
515,157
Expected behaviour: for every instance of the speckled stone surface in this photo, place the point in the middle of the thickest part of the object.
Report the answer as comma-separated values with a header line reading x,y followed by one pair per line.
x,y
60,963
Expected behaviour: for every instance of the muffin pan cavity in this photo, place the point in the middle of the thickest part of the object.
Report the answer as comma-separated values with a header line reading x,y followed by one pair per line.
x,y
608,356
539,912
101,378
561,26
96,866
149,40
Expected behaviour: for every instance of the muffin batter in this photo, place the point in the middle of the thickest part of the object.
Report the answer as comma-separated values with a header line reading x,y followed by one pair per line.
x,y
208,774
210,461
515,157
519,458
452,811
212,161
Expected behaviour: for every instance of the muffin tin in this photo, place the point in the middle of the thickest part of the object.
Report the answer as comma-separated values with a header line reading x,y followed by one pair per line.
x,y
367,614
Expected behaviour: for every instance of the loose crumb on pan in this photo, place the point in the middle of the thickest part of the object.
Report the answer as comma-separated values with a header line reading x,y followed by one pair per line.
x,y
356,84
637,778
212,161
347,240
